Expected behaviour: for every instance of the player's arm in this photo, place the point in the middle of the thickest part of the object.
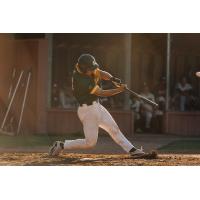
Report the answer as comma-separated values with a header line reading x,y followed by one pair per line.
x,y
108,77
105,75
106,93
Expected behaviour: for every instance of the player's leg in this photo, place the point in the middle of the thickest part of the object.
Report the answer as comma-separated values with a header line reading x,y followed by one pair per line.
x,y
108,124
89,119
90,128
182,102
148,118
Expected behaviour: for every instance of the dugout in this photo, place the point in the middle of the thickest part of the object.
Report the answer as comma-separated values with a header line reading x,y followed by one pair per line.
x,y
136,58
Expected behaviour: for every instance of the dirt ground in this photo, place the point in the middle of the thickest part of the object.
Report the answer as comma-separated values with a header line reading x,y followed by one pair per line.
x,y
75,159
106,153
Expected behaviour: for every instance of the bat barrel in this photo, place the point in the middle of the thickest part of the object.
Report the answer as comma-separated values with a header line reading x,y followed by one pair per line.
x,y
142,98
138,96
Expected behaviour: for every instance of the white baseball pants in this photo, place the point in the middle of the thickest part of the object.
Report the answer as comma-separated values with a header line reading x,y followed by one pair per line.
x,y
93,117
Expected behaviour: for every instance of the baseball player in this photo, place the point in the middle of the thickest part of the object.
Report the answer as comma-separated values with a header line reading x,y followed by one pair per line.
x,y
86,89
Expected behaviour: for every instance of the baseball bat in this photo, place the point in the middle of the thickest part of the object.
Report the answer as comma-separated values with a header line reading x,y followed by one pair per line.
x,y
142,98
138,95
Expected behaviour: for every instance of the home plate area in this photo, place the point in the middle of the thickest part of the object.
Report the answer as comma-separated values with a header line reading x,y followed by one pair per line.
x,y
75,159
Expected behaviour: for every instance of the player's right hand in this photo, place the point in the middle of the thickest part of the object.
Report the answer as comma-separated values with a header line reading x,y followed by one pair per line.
x,y
122,87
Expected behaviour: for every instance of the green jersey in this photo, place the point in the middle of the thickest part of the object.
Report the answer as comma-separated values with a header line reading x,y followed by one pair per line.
x,y
83,87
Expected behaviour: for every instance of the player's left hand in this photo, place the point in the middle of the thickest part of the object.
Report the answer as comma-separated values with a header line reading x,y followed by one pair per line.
x,y
123,87
116,80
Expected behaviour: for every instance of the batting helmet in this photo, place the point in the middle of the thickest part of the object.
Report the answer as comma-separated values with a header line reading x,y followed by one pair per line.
x,y
87,62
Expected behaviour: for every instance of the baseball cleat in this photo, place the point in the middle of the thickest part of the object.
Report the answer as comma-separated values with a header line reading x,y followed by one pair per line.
x,y
56,148
138,153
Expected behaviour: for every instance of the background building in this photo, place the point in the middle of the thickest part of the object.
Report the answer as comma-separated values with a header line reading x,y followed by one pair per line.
x,y
137,59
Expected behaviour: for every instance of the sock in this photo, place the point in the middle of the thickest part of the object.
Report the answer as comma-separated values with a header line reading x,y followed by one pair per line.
x,y
133,149
62,145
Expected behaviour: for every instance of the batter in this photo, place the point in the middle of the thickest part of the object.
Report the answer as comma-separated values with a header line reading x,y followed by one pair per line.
x,y
92,114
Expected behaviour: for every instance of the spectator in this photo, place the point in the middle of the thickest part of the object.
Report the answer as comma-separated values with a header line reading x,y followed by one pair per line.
x,y
160,95
66,98
160,89
183,96
147,110
55,95
135,107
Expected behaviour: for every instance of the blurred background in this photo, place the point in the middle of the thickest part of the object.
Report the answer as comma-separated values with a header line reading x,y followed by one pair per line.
x,y
159,66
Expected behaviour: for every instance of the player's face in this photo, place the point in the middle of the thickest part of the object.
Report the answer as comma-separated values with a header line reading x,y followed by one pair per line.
x,y
90,72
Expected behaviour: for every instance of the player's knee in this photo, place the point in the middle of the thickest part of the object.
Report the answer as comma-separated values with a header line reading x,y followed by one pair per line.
x,y
115,129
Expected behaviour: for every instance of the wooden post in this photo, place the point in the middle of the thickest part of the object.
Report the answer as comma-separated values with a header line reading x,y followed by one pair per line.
x,y
168,70
50,55
127,67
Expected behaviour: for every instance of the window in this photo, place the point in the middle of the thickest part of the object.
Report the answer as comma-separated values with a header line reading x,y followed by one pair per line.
x,y
66,48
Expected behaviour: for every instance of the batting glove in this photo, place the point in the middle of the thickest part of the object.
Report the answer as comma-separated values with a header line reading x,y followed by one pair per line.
x,y
116,80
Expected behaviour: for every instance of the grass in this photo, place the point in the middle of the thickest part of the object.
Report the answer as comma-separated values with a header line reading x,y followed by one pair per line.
x,y
190,145
37,140
182,146
33,140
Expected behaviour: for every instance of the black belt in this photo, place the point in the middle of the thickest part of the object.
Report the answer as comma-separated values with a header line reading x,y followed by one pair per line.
x,y
88,103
